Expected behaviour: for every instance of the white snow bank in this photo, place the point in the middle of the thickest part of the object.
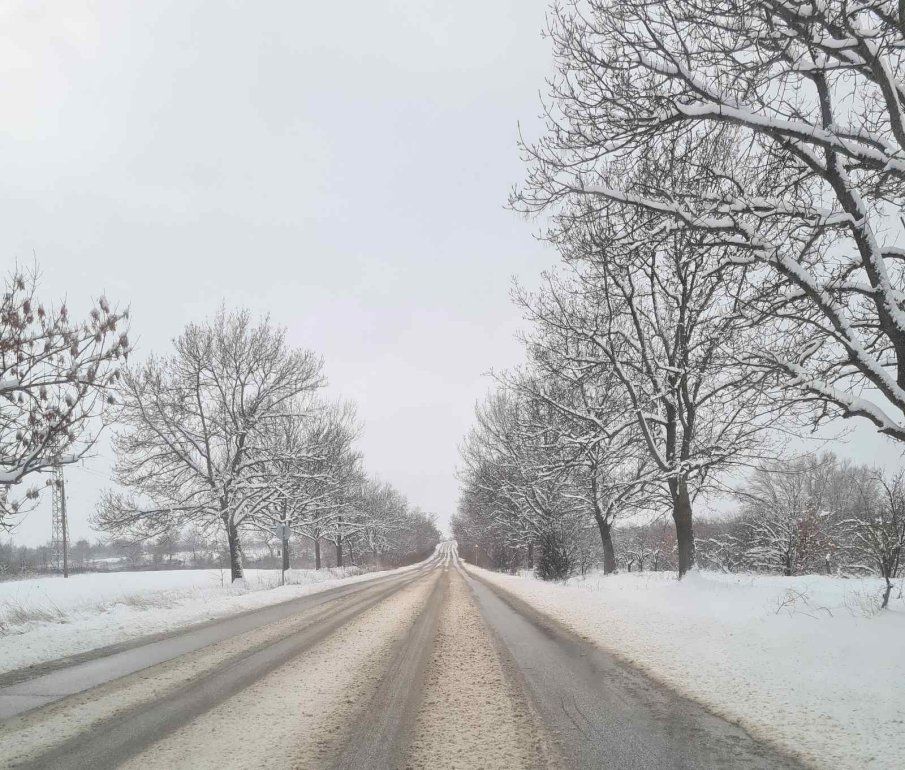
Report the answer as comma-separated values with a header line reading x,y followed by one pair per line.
x,y
52,617
807,663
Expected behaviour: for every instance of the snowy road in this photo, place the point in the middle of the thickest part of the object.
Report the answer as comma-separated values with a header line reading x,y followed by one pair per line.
x,y
429,668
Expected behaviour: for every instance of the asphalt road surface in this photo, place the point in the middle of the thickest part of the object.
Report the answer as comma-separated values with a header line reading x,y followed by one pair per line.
x,y
429,668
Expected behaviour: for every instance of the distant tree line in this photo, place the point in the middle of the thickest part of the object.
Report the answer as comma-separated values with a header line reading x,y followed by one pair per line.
x,y
192,550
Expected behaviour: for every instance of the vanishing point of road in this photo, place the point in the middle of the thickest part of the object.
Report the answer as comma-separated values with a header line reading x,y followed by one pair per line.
x,y
427,668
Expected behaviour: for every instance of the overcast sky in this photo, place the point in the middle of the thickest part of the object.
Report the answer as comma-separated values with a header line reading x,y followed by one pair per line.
x,y
341,166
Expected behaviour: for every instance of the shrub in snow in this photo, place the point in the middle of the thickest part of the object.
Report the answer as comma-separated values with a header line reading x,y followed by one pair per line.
x,y
555,562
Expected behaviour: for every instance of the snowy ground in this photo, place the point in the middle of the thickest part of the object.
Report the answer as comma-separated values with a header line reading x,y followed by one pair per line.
x,y
806,663
52,617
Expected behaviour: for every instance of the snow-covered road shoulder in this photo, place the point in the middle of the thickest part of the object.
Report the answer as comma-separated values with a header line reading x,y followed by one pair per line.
x,y
800,662
48,618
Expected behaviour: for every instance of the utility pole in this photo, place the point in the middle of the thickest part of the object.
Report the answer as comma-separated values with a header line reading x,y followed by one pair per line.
x,y
285,534
285,543
59,538
283,531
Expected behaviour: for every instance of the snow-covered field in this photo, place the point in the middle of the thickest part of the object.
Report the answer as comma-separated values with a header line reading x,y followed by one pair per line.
x,y
804,662
51,617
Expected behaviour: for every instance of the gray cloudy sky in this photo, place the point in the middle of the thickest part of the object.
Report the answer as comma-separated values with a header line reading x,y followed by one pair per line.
x,y
342,166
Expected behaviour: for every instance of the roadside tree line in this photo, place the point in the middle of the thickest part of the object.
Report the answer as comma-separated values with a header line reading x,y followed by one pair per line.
x,y
723,180
228,435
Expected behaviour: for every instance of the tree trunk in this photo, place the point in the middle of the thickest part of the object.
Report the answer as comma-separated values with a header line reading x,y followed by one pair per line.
x,y
339,552
606,538
235,552
317,553
285,550
350,554
681,514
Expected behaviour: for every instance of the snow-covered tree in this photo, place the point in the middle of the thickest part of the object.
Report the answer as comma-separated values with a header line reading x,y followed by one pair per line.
x,y
807,100
515,468
877,535
413,535
334,513
307,457
649,317
609,473
56,373
194,448
792,516
484,538
387,519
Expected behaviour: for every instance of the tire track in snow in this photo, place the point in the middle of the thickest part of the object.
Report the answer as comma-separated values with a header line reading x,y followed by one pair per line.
x,y
379,734
290,718
473,712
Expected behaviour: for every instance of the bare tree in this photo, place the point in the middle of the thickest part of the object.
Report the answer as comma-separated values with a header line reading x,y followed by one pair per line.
x,y
878,534
611,472
598,449
315,486
792,516
651,318
55,379
388,522
486,539
194,449
303,456
329,495
648,546
413,536
385,528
